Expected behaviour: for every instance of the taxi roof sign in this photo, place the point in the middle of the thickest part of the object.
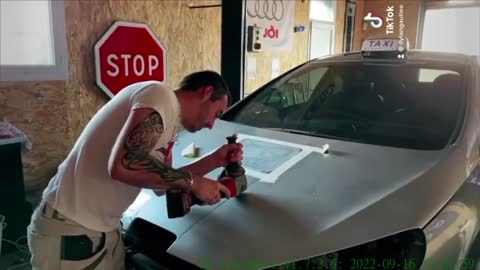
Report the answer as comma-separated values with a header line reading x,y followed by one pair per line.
x,y
385,47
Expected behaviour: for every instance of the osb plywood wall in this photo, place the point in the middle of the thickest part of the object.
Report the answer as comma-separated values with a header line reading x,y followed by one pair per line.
x,y
41,111
363,30
192,38
339,25
53,114
288,59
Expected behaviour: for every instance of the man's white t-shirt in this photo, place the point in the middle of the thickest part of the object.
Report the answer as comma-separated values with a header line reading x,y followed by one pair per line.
x,y
82,189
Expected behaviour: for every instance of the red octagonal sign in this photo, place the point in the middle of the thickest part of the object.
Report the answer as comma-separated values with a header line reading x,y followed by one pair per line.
x,y
128,53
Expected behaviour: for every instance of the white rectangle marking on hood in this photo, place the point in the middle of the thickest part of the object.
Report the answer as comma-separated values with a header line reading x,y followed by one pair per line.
x,y
279,170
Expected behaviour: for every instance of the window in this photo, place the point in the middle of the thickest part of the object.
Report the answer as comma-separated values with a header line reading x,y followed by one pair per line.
x,y
460,30
429,75
414,105
321,39
322,27
33,40
322,10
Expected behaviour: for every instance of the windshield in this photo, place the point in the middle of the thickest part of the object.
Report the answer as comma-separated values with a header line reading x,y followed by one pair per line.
x,y
406,105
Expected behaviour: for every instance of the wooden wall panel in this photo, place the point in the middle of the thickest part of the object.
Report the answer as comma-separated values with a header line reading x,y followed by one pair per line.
x,y
211,28
339,25
84,98
40,111
378,8
288,59
53,114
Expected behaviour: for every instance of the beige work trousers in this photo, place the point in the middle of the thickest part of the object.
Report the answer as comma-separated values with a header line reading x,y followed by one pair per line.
x,y
46,234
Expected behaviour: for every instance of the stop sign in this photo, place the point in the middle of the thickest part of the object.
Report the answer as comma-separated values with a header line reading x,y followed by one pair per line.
x,y
128,53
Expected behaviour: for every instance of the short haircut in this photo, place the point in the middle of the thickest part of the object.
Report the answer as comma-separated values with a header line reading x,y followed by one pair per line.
x,y
196,80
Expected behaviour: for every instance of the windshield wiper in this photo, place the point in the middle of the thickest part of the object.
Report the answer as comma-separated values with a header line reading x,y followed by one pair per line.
x,y
294,131
315,134
303,132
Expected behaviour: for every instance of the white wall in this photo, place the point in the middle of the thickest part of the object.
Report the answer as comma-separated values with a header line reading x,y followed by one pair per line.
x,y
452,30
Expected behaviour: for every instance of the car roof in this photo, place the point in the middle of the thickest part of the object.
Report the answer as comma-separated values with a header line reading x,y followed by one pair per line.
x,y
415,55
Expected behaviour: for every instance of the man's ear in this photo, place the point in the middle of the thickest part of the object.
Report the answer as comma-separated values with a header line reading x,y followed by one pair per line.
x,y
206,93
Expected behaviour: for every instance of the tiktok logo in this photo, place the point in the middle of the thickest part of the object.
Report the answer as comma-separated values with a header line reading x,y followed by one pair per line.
x,y
375,22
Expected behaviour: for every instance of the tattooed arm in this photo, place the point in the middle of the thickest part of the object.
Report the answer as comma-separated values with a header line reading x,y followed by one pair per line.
x,y
131,161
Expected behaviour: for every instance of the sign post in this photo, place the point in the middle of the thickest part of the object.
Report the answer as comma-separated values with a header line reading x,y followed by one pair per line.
x,y
128,53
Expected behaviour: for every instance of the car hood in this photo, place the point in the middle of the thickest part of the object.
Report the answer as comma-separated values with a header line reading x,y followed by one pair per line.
x,y
325,202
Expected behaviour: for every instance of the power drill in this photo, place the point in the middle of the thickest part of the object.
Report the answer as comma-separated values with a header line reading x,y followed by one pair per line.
x,y
233,177
235,171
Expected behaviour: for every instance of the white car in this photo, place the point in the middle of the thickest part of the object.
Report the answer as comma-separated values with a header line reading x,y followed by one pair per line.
x,y
365,160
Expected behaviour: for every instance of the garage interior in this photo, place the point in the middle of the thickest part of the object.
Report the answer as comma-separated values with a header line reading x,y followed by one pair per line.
x,y
44,111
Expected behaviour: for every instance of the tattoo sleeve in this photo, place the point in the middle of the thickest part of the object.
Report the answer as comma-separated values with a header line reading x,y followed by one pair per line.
x,y
140,142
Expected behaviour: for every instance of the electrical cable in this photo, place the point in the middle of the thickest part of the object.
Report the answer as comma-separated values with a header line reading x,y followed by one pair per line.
x,y
22,248
18,265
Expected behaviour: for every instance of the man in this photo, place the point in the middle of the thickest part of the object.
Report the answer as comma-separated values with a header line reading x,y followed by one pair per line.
x,y
123,149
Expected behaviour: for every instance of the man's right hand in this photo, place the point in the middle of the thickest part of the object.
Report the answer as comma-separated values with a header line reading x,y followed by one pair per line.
x,y
208,191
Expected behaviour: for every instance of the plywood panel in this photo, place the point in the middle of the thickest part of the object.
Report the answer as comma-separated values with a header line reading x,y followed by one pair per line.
x,y
340,25
379,8
288,59
53,114
211,27
40,111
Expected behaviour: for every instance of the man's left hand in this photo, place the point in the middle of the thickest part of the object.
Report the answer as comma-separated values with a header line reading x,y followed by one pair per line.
x,y
228,153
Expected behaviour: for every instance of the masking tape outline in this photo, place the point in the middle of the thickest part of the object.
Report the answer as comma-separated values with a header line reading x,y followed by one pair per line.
x,y
273,176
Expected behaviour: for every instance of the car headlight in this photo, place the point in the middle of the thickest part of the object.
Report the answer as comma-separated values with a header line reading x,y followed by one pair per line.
x,y
405,251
